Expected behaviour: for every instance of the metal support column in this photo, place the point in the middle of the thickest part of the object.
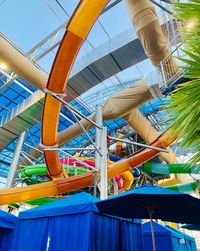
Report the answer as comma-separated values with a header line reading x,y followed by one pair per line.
x,y
103,165
13,166
98,120
101,156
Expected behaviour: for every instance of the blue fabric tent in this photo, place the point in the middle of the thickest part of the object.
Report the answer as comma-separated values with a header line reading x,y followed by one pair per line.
x,y
7,225
131,236
166,238
79,203
7,220
74,224
189,241
65,224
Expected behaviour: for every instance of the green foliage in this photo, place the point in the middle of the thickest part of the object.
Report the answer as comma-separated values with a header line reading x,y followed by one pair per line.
x,y
185,106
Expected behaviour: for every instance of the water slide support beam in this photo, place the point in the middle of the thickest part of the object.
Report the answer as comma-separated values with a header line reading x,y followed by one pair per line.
x,y
69,149
138,144
103,165
85,131
101,156
72,108
15,160
26,157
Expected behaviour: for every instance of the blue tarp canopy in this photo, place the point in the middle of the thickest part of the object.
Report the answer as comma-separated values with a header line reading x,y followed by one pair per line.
x,y
163,203
75,224
186,236
189,240
166,238
7,220
79,203
67,224
160,230
7,225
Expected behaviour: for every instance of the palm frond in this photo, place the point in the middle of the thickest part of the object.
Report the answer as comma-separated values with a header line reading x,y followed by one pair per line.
x,y
185,100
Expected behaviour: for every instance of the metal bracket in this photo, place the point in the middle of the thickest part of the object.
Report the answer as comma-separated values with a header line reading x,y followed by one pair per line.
x,y
47,91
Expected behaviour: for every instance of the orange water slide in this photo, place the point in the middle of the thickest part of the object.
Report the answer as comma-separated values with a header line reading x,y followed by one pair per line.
x,y
62,185
78,28
20,194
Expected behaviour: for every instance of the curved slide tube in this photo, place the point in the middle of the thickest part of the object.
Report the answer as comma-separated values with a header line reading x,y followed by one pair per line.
x,y
77,30
73,183
40,169
145,20
76,33
129,99
157,168
184,188
18,63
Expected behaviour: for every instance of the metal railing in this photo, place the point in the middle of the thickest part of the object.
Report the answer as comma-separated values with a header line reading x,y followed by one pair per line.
x,y
37,96
170,69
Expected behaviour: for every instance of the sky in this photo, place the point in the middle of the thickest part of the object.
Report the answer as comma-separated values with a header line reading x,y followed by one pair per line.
x,y
27,22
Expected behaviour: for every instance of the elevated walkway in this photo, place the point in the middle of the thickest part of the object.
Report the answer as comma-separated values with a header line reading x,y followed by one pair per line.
x,y
21,118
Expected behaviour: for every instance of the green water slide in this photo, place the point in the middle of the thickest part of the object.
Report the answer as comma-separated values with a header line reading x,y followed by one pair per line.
x,y
185,188
157,168
29,175
41,201
40,169
166,169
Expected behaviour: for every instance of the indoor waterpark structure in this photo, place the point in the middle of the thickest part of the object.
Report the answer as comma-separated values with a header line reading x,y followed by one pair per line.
x,y
99,125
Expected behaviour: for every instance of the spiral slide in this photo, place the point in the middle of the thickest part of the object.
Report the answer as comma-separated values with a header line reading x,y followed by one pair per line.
x,y
77,30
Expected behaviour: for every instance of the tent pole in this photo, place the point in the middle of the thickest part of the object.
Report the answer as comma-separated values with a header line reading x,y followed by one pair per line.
x,y
152,232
